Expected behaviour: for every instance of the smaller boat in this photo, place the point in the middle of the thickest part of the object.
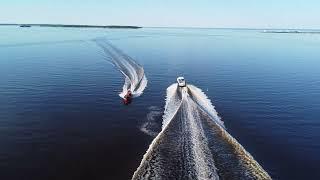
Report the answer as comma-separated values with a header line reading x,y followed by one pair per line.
x,y
127,99
25,25
181,82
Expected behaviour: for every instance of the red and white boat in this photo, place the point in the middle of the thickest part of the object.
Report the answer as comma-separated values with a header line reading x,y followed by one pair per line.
x,y
127,99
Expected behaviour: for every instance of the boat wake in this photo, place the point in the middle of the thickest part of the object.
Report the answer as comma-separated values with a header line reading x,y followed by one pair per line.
x,y
151,126
193,143
135,79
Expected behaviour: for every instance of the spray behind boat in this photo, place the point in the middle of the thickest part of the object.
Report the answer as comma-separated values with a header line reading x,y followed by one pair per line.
x,y
135,80
194,144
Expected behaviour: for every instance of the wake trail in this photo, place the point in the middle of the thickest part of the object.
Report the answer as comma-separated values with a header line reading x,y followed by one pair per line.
x,y
194,144
135,79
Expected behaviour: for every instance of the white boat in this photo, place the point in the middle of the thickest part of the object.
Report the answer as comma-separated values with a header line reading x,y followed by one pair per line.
x,y
181,82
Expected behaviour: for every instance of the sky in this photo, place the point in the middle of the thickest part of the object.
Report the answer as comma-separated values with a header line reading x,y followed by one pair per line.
x,y
166,13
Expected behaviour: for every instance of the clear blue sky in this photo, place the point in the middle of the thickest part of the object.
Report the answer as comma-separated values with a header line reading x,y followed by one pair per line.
x,y
166,13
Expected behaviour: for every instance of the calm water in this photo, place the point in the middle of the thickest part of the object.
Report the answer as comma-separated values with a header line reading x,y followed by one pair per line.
x,y
61,116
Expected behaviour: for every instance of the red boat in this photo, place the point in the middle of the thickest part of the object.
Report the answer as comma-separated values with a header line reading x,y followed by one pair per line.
x,y
127,98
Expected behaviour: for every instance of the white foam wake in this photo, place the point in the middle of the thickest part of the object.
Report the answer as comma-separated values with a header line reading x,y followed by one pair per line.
x,y
135,79
193,143
172,104
205,103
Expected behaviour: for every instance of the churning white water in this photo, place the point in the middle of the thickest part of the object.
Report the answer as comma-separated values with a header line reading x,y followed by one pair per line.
x,y
135,79
193,143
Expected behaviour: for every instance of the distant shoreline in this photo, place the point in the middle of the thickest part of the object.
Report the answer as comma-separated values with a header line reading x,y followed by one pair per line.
x,y
263,30
73,26
291,31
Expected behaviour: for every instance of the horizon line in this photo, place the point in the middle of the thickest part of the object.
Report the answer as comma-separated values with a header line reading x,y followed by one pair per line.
x,y
172,27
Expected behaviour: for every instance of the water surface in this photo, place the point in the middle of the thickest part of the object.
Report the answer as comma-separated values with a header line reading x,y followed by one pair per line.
x,y
61,116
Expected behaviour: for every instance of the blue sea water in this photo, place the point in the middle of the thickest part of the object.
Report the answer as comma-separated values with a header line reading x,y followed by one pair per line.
x,y
61,116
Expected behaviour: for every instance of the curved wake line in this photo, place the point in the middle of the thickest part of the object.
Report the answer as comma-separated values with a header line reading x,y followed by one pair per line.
x,y
205,104
135,79
193,143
